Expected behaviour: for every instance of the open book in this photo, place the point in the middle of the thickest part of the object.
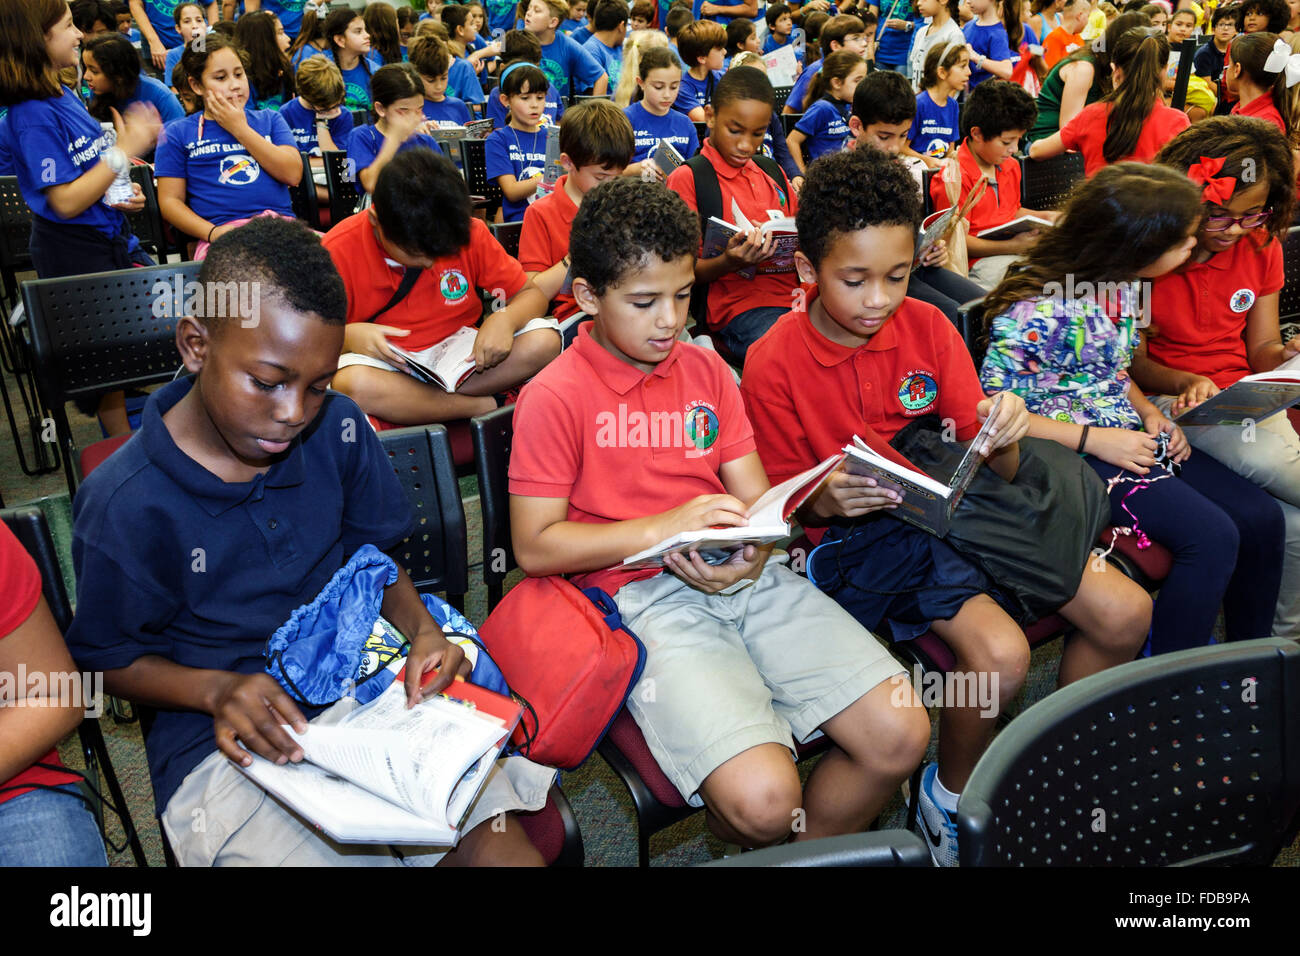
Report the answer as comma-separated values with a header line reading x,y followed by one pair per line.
x,y
782,65
666,156
1009,230
446,364
941,225
718,233
385,774
1254,397
477,129
554,168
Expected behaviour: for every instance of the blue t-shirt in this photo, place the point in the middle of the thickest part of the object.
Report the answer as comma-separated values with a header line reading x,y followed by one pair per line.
x,y
568,26
553,110
770,45
160,17
718,18
302,124
991,42
366,141
356,85
173,57
223,182
934,126
500,15
580,35
289,12
54,141
174,562
305,52
569,67
826,126
650,129
800,88
610,58
450,112
257,100
463,82
894,45
512,152
161,97
6,150
693,92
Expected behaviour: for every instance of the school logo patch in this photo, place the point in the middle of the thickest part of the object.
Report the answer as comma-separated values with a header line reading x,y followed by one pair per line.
x,y
355,96
238,171
918,391
702,425
1241,300
453,285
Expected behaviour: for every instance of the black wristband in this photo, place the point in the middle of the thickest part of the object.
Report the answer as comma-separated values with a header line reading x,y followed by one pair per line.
x,y
1083,439
210,232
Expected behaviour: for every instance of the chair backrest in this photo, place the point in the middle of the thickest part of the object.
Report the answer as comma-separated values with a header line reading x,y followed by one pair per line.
x,y
878,848
789,121
701,133
303,195
473,163
15,226
1046,183
927,201
575,99
1185,758
1288,302
435,554
508,233
33,533
970,323
493,435
340,181
360,118
782,94
147,224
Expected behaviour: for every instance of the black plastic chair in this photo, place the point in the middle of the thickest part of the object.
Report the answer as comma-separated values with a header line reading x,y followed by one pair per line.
x,y
782,94
876,848
789,121
100,332
508,233
1046,184
303,196
147,224
15,235
340,182
1184,759
576,98
435,554
701,133
927,201
29,527
473,163
360,118
1288,301
493,434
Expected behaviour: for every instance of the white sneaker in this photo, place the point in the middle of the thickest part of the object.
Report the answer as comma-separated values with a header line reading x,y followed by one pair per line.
x,y
938,826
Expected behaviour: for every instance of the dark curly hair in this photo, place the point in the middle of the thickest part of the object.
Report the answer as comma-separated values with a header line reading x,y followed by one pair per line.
x,y
847,191
1277,11
1245,144
286,258
996,106
422,202
621,224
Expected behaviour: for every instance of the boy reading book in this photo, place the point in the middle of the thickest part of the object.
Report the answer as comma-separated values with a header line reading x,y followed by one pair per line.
x,y
432,60
595,145
237,501
890,360
413,264
774,659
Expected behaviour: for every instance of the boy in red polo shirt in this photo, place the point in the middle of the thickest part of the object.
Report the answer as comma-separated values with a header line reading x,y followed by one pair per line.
x,y
888,360
596,144
420,225
741,309
631,436
996,116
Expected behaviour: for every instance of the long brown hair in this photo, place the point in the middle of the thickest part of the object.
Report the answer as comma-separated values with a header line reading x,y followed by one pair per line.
x,y
26,72
268,67
1142,53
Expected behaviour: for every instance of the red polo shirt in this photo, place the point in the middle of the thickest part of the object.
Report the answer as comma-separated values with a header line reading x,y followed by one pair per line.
x,y
544,240
1262,107
1086,133
1199,312
619,443
23,589
915,365
444,298
755,193
996,206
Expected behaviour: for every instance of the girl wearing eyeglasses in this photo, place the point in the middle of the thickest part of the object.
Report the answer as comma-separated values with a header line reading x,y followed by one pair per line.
x,y
1061,328
1215,319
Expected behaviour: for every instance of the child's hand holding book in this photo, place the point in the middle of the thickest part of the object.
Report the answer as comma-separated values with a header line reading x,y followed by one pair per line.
x,y
747,562
431,651
1010,422
371,338
493,344
846,495
750,248
250,710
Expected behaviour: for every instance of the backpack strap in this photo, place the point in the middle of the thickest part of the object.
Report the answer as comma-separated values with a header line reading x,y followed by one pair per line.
x,y
409,278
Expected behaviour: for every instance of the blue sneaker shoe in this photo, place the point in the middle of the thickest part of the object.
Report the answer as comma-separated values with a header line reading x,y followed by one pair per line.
x,y
938,826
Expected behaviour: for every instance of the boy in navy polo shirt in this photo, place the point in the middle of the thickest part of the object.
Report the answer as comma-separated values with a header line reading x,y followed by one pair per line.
x,y
247,487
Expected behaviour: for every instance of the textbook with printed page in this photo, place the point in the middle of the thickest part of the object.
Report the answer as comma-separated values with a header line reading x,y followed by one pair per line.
x,y
666,156
445,364
1009,230
385,774
782,65
1253,398
941,225
718,233
477,129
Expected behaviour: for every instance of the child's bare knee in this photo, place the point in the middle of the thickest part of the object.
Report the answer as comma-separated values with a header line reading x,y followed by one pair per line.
x,y
764,810
901,745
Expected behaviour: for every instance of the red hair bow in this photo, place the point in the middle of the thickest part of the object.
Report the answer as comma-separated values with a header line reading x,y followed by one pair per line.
x,y
1215,189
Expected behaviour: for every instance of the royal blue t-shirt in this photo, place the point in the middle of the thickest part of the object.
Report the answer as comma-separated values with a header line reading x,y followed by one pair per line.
x,y
718,18
302,124
164,24
366,142
500,15
991,42
257,100
6,150
569,67
174,562
289,12
54,141
305,52
450,112
770,45
826,126
223,182
693,92
610,58
893,45
580,35
650,129
553,110
568,26
512,152
160,97
800,88
463,82
934,127
356,85
173,57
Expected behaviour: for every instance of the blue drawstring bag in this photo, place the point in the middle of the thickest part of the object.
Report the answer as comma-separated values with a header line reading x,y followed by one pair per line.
x,y
339,645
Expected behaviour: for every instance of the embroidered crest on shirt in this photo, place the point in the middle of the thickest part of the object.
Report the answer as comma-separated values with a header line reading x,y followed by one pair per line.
x,y
1241,300
702,425
238,171
453,285
918,391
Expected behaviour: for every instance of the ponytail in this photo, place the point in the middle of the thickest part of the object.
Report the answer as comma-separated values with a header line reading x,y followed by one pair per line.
x,y
640,56
835,66
1253,52
1143,54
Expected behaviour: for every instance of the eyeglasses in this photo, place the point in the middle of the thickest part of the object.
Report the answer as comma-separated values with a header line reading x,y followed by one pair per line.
x,y
1224,223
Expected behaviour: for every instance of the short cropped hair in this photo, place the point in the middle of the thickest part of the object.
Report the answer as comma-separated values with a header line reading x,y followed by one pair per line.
x,y
422,204
428,55
320,83
645,9
596,132
775,11
622,224
608,14
837,29
520,45
677,18
1227,11
698,38
996,106
851,190
743,83
884,97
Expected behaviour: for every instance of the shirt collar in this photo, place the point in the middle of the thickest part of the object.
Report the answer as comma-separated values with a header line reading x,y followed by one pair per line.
x,y
617,375
723,168
214,495
828,353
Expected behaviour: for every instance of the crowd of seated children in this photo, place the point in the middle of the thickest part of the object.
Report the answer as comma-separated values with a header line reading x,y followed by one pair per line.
x,y
719,632
253,431
419,239
569,67
652,116
432,61
111,71
516,153
596,144
522,46
843,32
609,28
227,163
1068,357
398,105
824,126
702,46
857,335
270,74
